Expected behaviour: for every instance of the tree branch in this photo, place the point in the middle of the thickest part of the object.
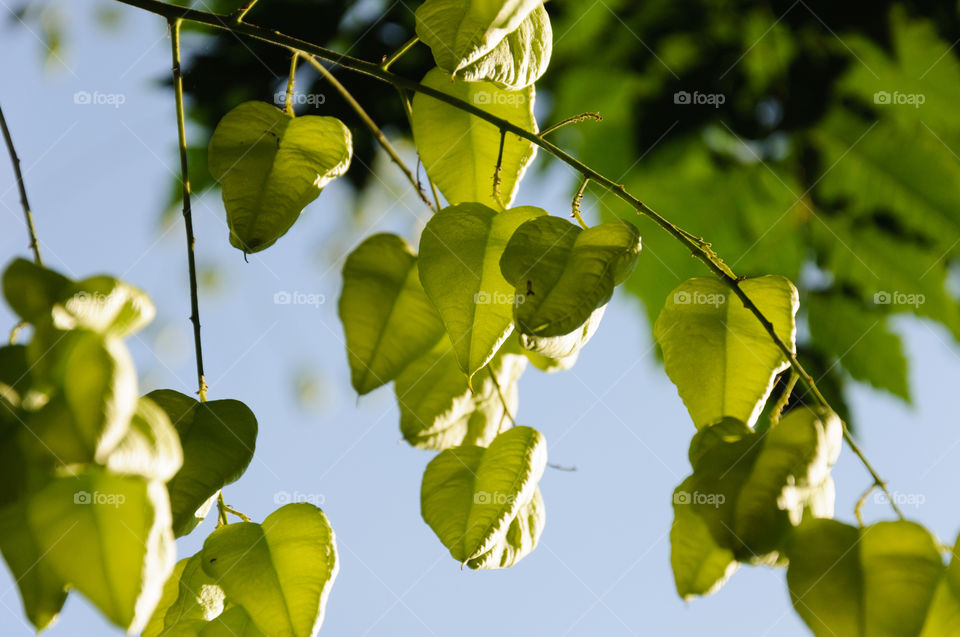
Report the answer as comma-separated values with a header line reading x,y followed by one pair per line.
x,y
27,214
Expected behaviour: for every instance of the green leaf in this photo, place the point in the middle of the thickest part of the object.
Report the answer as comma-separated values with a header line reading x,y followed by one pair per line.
x,y
700,565
717,353
460,32
150,448
943,620
43,592
109,537
519,59
484,504
270,165
100,303
459,151
750,488
189,595
877,581
563,277
234,622
460,270
280,572
859,337
387,318
96,379
218,439
438,410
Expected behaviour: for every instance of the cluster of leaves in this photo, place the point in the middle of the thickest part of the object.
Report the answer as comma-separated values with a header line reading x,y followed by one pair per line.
x,y
100,481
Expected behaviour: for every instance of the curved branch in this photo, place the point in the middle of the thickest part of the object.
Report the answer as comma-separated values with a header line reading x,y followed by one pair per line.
x,y
28,215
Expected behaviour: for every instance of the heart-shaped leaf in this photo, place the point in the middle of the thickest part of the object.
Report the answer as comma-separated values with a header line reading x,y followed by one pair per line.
x,y
280,571
438,410
717,353
270,165
876,580
387,318
484,504
459,32
519,59
218,440
460,150
109,537
460,270
563,277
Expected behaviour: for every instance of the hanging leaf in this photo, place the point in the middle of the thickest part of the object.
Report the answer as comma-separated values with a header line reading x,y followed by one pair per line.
x,y
270,165
43,592
459,150
109,537
717,353
388,320
943,619
280,572
563,277
438,410
700,565
101,303
749,489
877,580
150,448
460,270
218,439
519,59
484,504
95,377
459,32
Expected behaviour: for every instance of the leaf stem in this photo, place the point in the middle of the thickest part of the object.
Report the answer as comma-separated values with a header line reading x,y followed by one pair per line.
x,y
244,9
288,98
371,125
408,109
187,212
777,410
503,399
27,214
577,198
388,61
576,119
699,248
497,170
221,511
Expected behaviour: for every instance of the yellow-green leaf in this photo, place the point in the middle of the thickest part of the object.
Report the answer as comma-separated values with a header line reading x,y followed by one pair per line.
x,y
519,59
270,165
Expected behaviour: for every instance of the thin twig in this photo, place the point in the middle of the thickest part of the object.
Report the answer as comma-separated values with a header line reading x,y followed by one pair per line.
x,y
28,215
388,61
698,248
858,509
777,410
577,198
372,126
561,467
187,213
576,119
291,80
242,12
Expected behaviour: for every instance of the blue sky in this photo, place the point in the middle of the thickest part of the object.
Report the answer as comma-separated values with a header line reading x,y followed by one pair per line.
x,y
99,174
